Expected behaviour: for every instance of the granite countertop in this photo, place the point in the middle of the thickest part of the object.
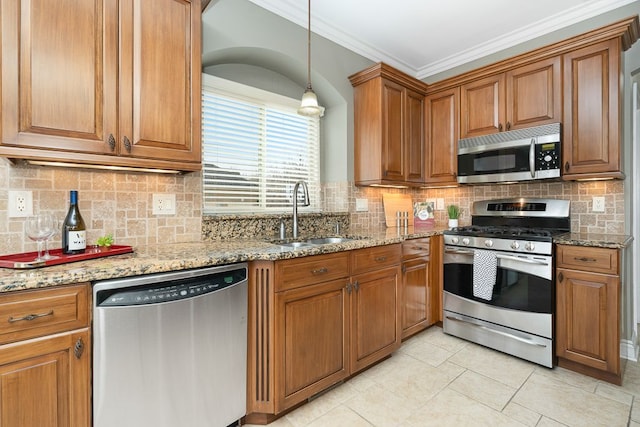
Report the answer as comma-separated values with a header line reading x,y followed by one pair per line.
x,y
612,241
182,256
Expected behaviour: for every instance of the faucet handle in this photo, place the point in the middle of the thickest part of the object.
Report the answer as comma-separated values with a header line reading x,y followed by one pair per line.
x,y
283,230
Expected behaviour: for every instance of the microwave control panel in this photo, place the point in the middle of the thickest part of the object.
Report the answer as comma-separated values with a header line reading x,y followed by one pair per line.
x,y
548,156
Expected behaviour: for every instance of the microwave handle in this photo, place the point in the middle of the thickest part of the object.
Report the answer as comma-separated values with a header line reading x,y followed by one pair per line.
x,y
532,158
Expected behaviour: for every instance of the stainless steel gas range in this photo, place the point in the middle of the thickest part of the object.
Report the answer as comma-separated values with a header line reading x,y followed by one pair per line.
x,y
499,288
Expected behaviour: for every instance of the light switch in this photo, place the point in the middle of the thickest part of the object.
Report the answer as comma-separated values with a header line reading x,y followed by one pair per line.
x,y
362,205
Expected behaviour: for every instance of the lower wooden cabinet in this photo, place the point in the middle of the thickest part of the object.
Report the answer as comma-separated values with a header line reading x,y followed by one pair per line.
x,y
312,333
316,320
45,358
46,381
416,286
588,311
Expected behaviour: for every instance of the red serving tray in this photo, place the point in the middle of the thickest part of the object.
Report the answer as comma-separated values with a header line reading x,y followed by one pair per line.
x,y
26,260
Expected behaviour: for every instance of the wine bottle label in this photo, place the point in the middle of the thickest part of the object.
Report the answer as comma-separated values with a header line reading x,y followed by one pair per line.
x,y
77,240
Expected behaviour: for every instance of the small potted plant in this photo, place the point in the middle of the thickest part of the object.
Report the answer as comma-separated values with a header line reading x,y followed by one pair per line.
x,y
454,213
104,242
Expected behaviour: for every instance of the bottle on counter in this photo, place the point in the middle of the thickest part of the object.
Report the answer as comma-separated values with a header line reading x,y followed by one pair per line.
x,y
74,232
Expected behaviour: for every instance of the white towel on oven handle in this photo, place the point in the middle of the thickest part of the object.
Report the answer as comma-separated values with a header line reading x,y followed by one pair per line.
x,y
485,264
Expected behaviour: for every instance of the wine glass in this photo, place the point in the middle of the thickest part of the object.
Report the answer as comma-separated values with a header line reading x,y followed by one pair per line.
x,y
38,228
53,231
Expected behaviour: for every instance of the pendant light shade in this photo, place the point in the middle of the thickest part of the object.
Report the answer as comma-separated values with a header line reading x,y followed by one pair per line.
x,y
309,105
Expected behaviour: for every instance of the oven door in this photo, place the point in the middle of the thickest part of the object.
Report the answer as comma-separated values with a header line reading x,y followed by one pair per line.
x,y
524,282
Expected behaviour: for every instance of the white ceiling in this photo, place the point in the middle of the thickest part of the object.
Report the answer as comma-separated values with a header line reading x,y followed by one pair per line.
x,y
425,37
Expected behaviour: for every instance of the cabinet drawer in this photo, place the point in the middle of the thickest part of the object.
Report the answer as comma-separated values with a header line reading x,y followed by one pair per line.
x,y
29,314
294,273
415,248
364,260
598,260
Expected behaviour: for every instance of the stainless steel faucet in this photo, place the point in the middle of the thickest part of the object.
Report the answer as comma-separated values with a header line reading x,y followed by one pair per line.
x,y
295,204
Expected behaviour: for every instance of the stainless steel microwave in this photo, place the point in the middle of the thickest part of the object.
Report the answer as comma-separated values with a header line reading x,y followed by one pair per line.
x,y
517,155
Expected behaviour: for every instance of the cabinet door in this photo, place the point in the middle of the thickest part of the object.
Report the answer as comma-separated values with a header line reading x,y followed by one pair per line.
x,y
415,296
58,75
311,340
587,319
442,111
44,383
375,320
414,137
160,92
591,131
393,131
534,94
483,106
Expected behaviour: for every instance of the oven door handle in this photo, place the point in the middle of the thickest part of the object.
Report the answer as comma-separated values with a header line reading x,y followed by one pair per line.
x,y
532,158
526,260
494,331
458,251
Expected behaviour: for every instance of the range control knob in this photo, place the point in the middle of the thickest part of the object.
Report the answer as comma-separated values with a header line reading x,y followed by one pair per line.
x,y
455,240
465,241
529,246
488,243
515,245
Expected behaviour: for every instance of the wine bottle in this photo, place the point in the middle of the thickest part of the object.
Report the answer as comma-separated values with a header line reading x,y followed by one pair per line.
x,y
74,232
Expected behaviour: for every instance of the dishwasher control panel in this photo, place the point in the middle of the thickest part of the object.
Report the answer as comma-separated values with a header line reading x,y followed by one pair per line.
x,y
174,290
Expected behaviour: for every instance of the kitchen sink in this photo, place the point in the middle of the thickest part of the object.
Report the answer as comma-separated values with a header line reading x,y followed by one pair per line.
x,y
296,245
328,240
309,243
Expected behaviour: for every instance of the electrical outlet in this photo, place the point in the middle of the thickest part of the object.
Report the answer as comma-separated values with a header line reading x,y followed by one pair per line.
x,y
164,204
598,204
439,204
362,205
20,204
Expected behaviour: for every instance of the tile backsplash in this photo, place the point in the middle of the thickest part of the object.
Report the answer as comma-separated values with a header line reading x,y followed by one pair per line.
x,y
110,202
121,203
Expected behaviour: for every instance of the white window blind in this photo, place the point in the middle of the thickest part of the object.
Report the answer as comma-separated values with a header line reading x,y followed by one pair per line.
x,y
255,148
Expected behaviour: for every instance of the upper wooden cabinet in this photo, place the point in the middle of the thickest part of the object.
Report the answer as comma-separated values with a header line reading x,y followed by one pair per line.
x,y
526,96
388,127
592,121
442,112
111,82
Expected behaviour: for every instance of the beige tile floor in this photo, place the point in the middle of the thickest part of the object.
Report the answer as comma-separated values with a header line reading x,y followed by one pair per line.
x,y
439,380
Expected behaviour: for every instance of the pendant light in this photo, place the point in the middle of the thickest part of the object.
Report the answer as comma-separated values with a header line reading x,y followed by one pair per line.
x,y
309,105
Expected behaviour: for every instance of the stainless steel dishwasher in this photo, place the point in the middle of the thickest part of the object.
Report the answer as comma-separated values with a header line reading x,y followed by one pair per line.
x,y
170,349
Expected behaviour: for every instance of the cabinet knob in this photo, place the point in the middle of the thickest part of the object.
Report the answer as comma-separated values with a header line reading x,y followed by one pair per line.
x,y
356,286
560,277
78,349
349,287
499,127
508,125
112,142
566,166
127,144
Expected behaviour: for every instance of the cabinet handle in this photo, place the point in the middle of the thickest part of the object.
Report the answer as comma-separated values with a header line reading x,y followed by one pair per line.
x,y
112,142
127,144
349,288
404,268
499,127
319,271
356,286
508,125
30,317
420,248
560,276
78,349
381,259
585,259
566,166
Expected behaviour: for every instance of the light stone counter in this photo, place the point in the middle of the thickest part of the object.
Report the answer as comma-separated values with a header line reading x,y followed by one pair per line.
x,y
182,256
